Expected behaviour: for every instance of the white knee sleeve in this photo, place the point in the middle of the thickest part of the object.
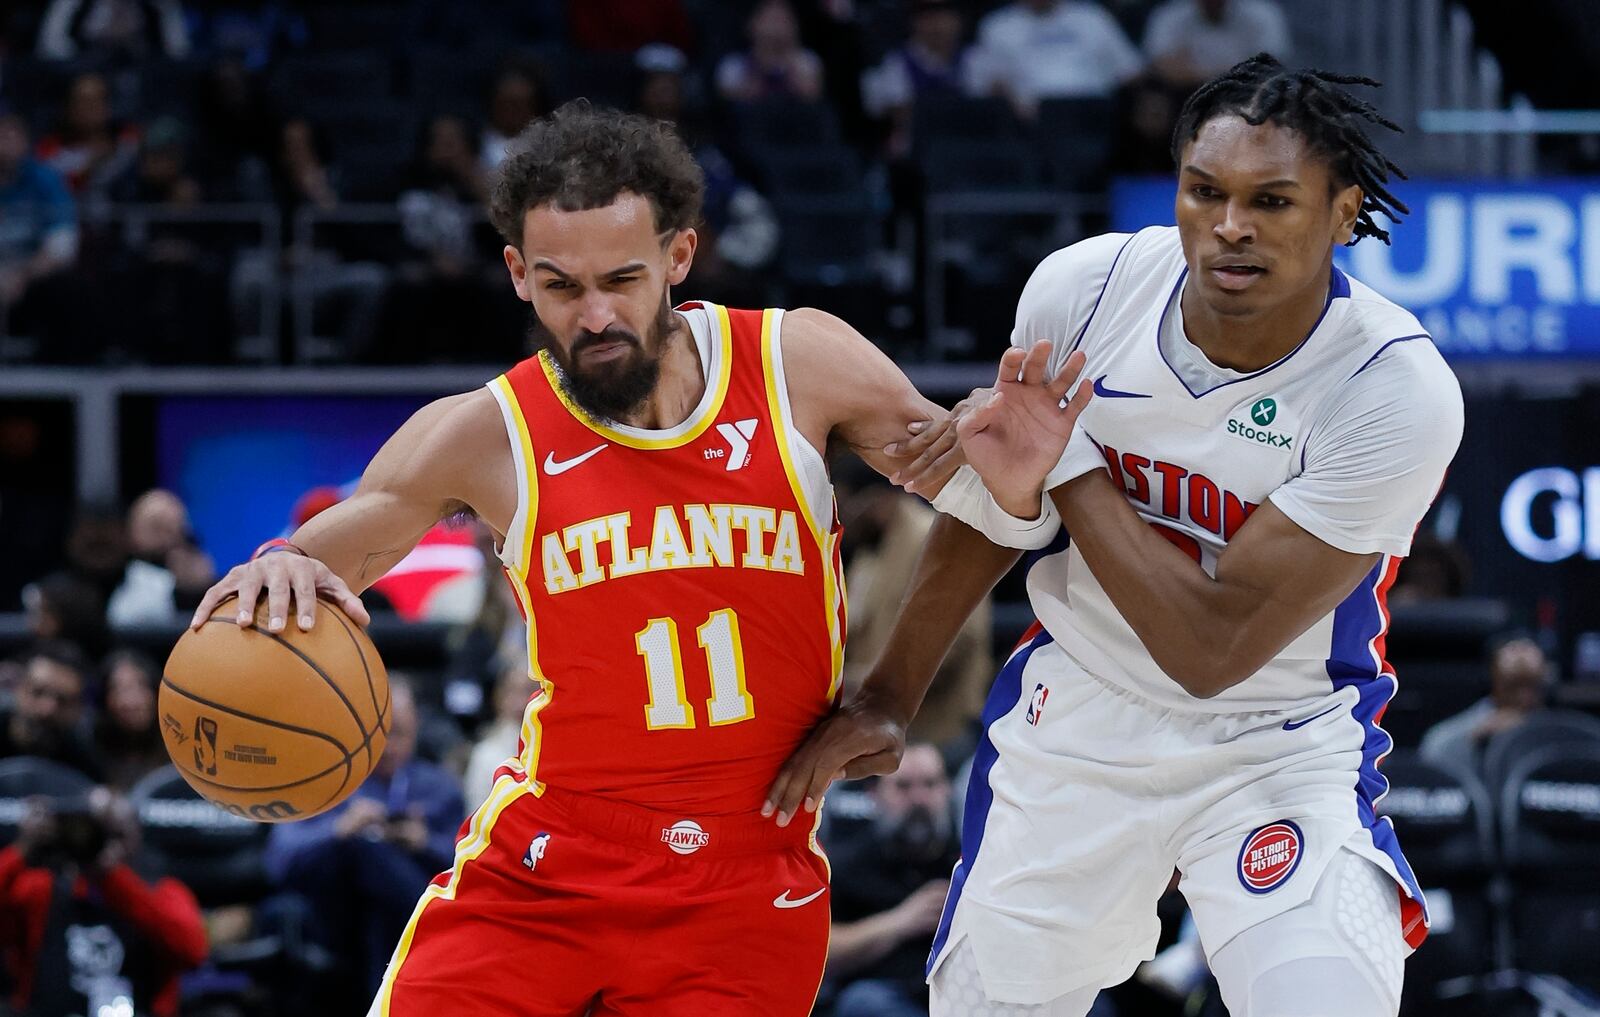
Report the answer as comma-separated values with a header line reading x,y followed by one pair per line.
x,y
1340,954
957,991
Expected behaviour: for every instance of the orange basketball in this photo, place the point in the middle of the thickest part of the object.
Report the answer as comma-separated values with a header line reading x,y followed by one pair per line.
x,y
275,726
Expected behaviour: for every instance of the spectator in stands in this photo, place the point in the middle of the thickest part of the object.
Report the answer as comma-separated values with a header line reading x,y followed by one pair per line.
x,y
622,26
1436,569
97,547
138,29
518,97
90,148
45,718
935,60
775,65
493,641
126,729
498,740
1032,50
1520,680
739,230
167,572
1191,41
80,931
237,134
362,864
301,170
890,877
67,607
160,176
884,531
38,240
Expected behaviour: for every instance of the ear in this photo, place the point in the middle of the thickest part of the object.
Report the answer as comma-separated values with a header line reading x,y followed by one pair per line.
x,y
1346,207
680,255
519,272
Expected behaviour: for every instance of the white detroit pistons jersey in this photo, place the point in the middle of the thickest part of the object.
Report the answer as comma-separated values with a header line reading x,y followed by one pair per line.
x,y
1349,435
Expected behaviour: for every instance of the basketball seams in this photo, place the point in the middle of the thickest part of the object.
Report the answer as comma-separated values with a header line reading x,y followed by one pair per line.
x,y
345,761
382,712
313,665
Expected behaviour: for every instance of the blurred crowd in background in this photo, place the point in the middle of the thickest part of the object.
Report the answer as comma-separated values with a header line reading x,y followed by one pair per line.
x,y
258,179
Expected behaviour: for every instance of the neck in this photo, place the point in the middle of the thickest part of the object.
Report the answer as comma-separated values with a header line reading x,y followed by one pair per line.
x,y
679,388
1249,342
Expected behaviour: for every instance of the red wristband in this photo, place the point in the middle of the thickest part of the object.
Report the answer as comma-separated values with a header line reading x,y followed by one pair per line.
x,y
277,544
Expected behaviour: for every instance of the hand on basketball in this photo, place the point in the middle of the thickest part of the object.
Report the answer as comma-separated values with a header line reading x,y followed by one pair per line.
x,y
283,577
858,740
1016,434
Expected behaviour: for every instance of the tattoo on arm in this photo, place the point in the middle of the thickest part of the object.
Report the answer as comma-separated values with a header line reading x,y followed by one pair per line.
x,y
374,559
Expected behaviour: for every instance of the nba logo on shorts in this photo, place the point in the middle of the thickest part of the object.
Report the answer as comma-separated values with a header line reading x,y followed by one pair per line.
x,y
536,851
1036,704
1269,856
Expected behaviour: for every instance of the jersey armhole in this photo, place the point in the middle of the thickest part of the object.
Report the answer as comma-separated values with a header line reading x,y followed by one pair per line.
x,y
809,463
516,552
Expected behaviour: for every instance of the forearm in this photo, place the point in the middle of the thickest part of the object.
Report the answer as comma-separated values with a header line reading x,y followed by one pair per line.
x,y
363,538
955,572
1188,621
165,913
853,946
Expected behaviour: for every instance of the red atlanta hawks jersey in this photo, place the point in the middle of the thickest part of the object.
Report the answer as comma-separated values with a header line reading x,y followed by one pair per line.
x,y
682,587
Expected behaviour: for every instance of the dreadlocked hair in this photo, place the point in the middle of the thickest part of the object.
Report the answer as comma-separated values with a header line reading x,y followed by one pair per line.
x,y
1311,103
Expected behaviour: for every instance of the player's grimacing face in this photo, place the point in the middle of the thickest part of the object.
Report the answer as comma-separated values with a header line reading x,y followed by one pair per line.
x,y
598,271
1258,215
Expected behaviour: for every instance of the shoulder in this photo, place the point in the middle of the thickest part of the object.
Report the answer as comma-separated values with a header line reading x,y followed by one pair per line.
x,y
1065,284
816,345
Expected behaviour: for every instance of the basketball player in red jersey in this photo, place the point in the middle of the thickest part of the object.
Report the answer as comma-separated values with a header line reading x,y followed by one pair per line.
x,y
664,515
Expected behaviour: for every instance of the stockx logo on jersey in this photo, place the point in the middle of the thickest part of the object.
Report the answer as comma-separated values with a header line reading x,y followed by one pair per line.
x,y
1255,423
738,435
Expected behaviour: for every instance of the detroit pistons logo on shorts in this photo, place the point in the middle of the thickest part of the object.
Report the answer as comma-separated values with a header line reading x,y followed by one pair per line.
x,y
1269,856
685,837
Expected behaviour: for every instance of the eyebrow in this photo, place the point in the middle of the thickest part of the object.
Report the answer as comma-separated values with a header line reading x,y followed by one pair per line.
x,y
1270,185
628,269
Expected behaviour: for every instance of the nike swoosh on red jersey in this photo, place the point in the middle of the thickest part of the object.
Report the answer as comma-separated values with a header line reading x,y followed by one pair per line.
x,y
553,468
783,901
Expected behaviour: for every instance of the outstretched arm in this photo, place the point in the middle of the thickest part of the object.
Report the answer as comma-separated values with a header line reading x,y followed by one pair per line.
x,y
441,461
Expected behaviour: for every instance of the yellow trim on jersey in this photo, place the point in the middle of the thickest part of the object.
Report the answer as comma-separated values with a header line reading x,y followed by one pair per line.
x,y
530,479
832,586
532,730
691,431
505,791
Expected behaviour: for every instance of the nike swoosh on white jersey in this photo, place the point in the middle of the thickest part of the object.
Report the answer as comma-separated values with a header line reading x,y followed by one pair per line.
x,y
783,901
554,468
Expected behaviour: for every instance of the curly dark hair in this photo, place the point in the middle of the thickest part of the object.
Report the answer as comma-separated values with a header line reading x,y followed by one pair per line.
x,y
1313,104
583,156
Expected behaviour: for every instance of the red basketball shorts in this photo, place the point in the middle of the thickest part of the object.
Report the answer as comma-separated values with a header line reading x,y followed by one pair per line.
x,y
562,904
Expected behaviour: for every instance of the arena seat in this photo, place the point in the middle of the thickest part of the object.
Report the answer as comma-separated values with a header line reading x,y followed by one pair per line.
x,y
1076,136
1550,829
1545,729
24,777
217,855
1444,821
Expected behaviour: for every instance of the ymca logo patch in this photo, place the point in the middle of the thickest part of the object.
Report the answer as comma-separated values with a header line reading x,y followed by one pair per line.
x,y
685,837
1269,856
536,848
1036,704
738,435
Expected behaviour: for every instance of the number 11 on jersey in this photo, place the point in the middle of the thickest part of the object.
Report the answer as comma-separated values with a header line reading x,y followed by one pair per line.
x,y
669,707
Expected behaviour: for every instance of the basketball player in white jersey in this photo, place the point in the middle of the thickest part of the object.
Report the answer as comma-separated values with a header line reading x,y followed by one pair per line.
x,y
1203,690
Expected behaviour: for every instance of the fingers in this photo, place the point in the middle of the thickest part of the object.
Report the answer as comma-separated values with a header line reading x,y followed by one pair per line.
x,y
249,591
917,470
342,595
939,472
217,594
924,433
303,583
1079,402
887,761
277,596
1064,378
1010,366
1036,363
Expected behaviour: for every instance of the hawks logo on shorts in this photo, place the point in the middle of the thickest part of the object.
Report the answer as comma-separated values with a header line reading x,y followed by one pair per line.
x,y
1269,856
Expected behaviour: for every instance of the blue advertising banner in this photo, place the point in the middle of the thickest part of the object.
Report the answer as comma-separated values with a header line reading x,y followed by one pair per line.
x,y
1492,268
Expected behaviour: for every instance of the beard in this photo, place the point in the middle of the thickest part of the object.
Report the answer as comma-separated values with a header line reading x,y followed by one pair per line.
x,y
610,390
920,835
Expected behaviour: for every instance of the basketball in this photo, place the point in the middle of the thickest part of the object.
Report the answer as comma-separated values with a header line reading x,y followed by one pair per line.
x,y
274,726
